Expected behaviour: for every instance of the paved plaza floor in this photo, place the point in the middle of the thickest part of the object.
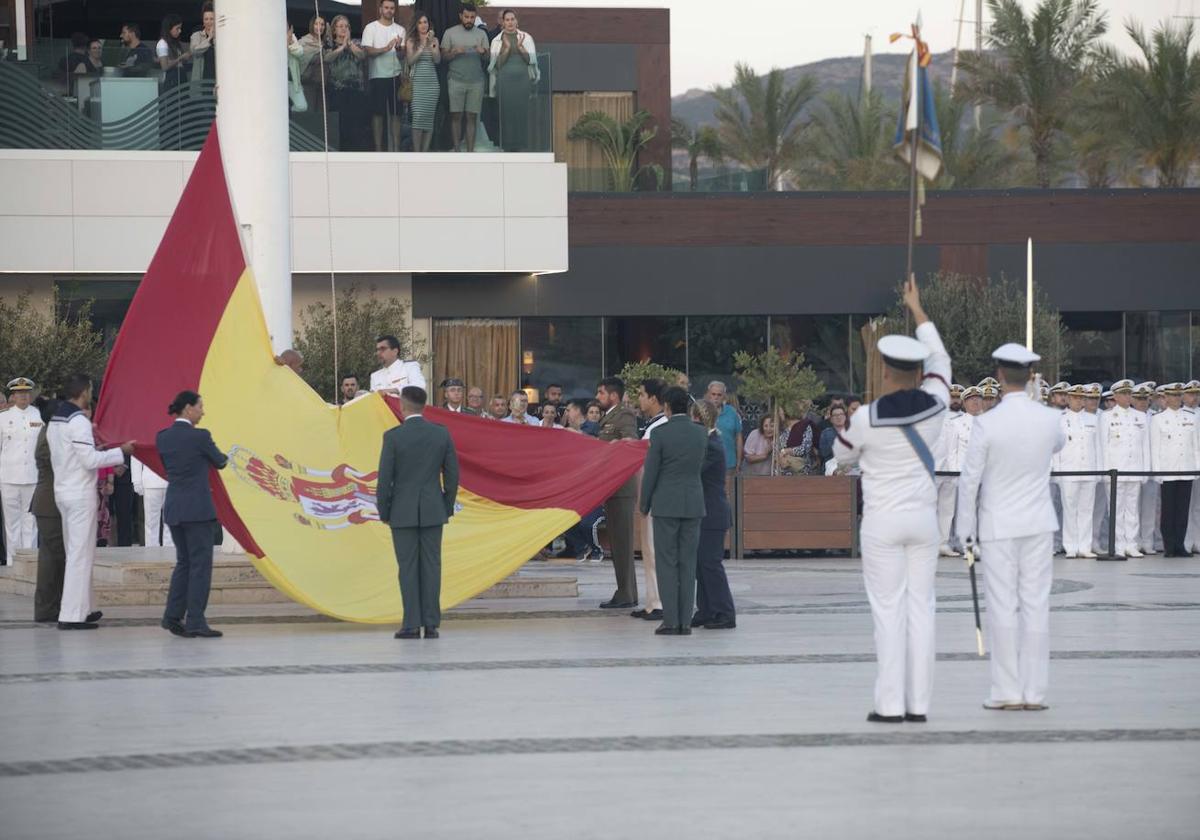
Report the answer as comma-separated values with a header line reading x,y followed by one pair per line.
x,y
547,718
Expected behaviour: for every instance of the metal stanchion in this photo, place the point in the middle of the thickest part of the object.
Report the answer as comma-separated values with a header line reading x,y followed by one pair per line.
x,y
1112,519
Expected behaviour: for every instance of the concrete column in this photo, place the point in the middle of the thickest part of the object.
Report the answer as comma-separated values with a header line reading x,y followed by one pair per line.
x,y
252,117
22,29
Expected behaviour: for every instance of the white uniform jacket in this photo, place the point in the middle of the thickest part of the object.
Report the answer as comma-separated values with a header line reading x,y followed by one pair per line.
x,y
144,478
1174,443
1082,449
1004,489
399,374
893,478
958,438
74,455
19,430
946,453
1125,441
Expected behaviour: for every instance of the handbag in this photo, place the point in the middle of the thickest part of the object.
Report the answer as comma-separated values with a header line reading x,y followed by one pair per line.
x,y
404,90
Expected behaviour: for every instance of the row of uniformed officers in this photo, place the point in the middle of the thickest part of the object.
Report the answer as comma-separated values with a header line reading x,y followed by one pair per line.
x,y
1131,428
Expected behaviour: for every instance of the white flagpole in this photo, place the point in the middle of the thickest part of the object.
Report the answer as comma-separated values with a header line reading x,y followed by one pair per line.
x,y
1029,294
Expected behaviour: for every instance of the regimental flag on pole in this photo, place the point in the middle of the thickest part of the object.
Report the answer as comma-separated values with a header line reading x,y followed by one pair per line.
x,y
918,113
299,491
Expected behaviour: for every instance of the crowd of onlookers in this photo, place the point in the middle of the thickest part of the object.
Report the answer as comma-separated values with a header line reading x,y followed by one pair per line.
x,y
386,85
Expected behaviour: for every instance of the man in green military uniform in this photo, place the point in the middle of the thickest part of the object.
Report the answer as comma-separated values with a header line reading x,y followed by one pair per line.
x,y
673,494
418,483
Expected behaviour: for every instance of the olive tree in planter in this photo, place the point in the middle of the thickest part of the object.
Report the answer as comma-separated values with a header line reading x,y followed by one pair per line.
x,y
779,379
635,373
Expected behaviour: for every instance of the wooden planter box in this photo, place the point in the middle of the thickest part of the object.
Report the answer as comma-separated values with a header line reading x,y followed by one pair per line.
x,y
796,512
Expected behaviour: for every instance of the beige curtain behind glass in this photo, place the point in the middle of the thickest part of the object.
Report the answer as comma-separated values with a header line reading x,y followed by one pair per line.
x,y
586,170
480,351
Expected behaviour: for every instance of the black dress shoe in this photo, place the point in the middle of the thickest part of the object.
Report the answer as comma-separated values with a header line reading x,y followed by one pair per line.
x,y
95,616
432,633
664,630
911,718
700,620
77,625
721,625
635,613
875,717
176,627
683,631
614,604
407,634
206,633
653,615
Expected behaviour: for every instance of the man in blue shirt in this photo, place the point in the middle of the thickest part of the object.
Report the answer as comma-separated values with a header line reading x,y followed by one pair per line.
x,y
729,423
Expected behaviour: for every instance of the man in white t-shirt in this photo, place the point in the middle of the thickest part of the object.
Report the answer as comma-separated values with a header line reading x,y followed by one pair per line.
x,y
383,40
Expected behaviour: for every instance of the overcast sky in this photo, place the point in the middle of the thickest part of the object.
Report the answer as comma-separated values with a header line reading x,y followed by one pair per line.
x,y
709,36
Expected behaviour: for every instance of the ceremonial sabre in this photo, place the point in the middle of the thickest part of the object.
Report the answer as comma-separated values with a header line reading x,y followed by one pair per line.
x,y
969,552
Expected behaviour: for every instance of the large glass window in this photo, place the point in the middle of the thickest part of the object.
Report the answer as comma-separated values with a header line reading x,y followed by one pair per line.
x,y
1158,346
107,302
1096,340
561,351
825,341
1195,371
650,339
712,342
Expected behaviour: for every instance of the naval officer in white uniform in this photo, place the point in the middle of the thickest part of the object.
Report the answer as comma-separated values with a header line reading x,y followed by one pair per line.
x,y
948,461
893,441
1004,506
396,373
20,425
1125,446
1175,446
1080,454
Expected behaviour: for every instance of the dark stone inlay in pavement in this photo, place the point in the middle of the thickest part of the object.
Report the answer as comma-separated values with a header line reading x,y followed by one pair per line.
x,y
545,746
536,665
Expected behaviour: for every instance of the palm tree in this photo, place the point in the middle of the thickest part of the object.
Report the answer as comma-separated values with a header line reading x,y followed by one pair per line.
x,y
1152,104
620,144
697,142
758,120
850,145
1099,155
1034,68
972,158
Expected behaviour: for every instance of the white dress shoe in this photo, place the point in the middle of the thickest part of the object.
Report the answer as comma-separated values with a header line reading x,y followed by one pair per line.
x,y
1088,555
1134,553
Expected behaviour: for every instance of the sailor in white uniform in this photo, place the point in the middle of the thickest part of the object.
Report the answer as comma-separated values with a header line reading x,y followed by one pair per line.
x,y
1080,454
20,425
75,459
892,441
1191,402
153,489
1093,403
396,373
1125,445
947,485
1150,539
1004,505
1055,396
1175,446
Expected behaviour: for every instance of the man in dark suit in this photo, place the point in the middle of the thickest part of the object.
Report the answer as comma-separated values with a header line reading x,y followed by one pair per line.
x,y
619,423
418,483
52,551
673,494
187,454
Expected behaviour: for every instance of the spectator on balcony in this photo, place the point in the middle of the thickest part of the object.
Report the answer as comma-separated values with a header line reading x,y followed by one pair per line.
x,y
760,444
173,59
729,424
203,47
347,88
514,75
383,39
465,46
837,426
312,64
497,408
423,53
138,58
474,401
77,62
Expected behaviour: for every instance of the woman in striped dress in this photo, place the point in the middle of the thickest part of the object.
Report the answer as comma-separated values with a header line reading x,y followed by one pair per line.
x,y
423,53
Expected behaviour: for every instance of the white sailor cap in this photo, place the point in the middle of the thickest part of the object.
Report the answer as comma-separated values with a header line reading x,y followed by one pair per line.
x,y
21,383
902,352
1015,355
1121,385
972,391
1060,387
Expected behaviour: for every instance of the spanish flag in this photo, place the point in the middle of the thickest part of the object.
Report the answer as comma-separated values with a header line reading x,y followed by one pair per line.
x,y
299,491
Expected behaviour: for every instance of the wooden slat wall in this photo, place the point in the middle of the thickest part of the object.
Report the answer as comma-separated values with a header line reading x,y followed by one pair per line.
x,y
797,512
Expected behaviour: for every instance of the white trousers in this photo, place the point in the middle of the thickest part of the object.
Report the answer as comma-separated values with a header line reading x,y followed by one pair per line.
x,y
152,504
1192,539
1078,499
1056,500
1100,516
1126,516
79,539
1149,514
947,498
20,527
900,555
653,601
1018,574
